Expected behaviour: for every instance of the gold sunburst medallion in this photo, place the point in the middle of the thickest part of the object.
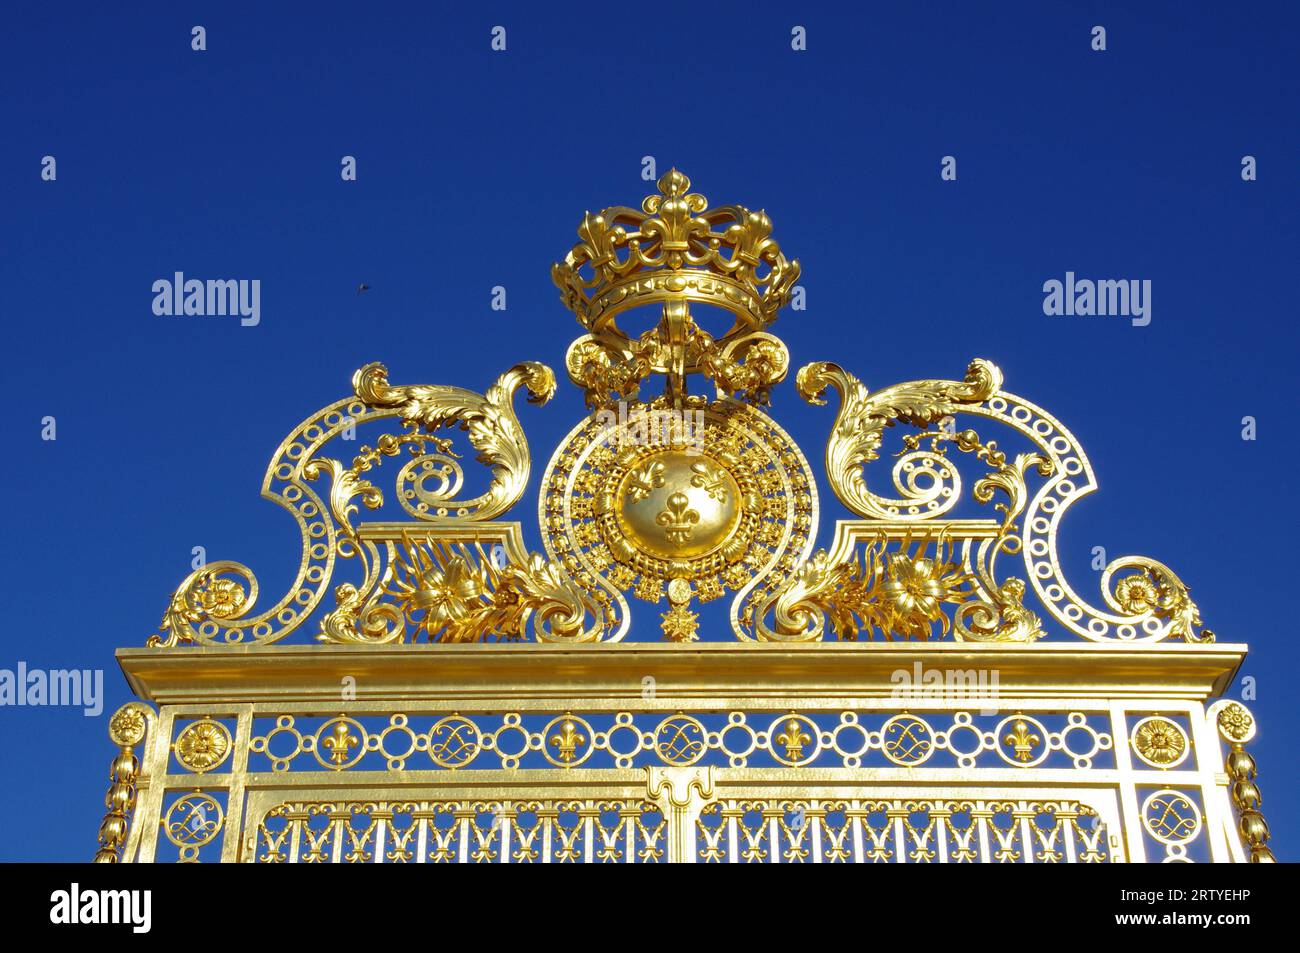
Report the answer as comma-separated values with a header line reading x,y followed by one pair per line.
x,y
712,496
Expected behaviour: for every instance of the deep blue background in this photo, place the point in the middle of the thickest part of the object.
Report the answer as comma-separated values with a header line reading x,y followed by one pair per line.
x,y
473,170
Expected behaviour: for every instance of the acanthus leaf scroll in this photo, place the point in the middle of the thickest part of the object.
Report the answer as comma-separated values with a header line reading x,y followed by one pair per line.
x,y
1148,601
487,600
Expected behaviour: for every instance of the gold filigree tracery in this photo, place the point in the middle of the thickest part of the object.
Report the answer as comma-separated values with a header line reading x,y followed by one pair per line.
x,y
1147,603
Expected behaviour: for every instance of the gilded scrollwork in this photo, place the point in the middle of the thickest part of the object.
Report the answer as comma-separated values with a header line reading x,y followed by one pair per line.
x,y
215,603
1148,602
360,617
1005,620
859,432
488,418
901,594
999,614
1153,590
747,367
206,595
609,370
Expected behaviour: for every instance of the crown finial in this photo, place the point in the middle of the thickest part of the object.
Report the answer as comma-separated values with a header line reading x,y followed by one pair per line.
x,y
672,185
675,252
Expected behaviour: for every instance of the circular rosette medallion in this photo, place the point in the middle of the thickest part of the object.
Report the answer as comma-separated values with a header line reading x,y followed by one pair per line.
x,y
714,494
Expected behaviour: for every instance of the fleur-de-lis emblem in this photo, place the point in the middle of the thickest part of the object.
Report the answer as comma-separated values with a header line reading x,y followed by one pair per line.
x,y
599,241
340,741
675,224
567,740
678,518
709,480
1022,740
753,241
793,738
645,481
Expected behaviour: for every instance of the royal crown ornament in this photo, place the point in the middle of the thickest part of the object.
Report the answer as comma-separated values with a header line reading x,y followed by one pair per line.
x,y
674,252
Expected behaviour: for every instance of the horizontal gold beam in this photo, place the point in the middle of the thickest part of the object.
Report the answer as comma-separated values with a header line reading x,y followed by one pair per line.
x,y
957,530
703,676
459,530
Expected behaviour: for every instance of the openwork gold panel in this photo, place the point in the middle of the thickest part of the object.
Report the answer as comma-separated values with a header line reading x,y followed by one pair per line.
x,y
442,832
900,831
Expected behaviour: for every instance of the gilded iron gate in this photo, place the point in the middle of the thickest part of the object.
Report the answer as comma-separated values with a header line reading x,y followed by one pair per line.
x,y
927,687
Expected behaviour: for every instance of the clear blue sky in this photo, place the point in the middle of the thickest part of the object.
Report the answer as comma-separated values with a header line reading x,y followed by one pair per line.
x,y
474,168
